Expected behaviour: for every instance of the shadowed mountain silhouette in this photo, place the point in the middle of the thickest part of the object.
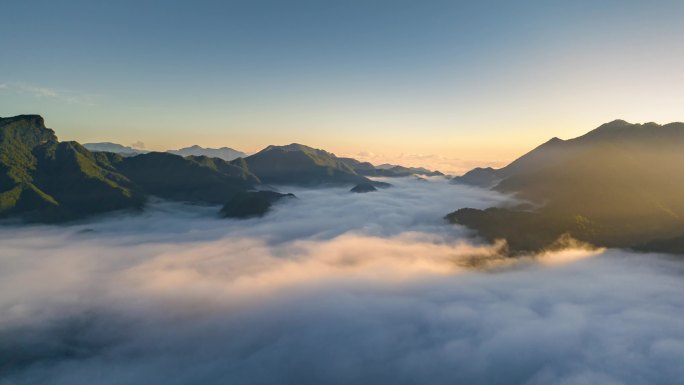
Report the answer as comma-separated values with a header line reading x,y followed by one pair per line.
x,y
363,188
251,204
297,164
620,185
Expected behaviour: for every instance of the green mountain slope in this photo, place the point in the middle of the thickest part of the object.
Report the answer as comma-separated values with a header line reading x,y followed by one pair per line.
x,y
42,179
191,179
619,185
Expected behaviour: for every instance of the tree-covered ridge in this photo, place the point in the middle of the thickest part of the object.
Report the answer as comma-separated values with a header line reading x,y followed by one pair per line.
x,y
192,179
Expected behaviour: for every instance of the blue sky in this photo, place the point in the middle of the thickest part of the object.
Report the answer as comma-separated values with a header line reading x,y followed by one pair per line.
x,y
474,81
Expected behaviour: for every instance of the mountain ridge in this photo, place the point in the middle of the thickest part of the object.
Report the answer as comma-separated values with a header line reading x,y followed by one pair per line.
x,y
45,180
618,185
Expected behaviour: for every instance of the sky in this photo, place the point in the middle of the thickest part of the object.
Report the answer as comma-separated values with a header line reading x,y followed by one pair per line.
x,y
449,83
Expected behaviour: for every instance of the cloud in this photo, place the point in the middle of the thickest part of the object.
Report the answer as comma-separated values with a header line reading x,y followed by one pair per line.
x,y
66,96
332,288
138,144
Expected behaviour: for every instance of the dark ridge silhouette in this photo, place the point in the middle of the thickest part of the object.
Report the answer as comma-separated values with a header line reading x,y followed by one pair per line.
x,y
620,185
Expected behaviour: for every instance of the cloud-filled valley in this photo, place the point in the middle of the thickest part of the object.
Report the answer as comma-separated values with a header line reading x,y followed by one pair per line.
x,y
329,288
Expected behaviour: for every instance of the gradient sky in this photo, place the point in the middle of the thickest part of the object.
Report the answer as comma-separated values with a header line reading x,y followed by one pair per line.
x,y
468,83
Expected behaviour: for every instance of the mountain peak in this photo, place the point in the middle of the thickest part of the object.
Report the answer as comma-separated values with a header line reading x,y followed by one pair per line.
x,y
30,119
289,147
225,153
555,140
634,131
30,128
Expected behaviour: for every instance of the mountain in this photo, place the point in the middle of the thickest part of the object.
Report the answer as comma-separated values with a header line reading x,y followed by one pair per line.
x,y
189,179
296,164
251,204
400,171
363,188
113,147
386,170
42,179
357,165
45,180
620,185
225,153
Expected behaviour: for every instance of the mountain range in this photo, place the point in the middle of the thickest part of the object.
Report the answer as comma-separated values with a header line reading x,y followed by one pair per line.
x,y
387,170
113,147
225,153
45,180
620,185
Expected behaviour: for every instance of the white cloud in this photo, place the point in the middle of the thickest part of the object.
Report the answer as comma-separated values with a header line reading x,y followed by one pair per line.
x,y
332,288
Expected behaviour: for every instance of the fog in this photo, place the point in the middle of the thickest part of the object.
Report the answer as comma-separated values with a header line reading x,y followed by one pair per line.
x,y
329,288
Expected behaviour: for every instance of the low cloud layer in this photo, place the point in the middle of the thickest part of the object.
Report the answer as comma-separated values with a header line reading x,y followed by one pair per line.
x,y
332,288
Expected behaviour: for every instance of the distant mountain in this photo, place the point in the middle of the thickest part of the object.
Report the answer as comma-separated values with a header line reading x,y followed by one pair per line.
x,y
620,185
42,179
385,166
113,147
225,153
296,164
357,165
386,170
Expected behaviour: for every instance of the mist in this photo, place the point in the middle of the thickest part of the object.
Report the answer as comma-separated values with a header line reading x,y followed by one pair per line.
x,y
329,288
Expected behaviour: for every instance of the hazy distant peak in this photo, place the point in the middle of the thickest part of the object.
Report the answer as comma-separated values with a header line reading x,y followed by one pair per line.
x,y
297,147
113,147
291,147
225,153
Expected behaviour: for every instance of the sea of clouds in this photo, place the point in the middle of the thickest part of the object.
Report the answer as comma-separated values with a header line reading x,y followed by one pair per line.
x,y
329,288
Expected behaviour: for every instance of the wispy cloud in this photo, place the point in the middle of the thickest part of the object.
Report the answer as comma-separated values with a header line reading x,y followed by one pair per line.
x,y
62,95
